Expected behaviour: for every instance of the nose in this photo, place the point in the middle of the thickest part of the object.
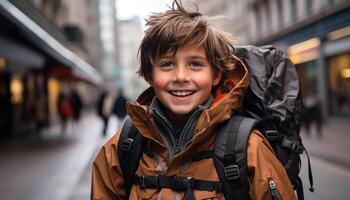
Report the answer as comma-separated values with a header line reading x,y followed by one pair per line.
x,y
182,73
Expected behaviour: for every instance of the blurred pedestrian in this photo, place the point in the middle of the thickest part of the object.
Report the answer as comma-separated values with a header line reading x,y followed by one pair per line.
x,y
312,114
6,114
342,95
119,107
40,113
104,109
77,107
65,110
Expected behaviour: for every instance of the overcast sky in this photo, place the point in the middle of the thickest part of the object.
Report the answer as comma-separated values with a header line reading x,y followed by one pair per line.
x,y
129,8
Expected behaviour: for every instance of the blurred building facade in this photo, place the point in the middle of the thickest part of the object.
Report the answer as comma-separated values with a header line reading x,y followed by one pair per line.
x,y
109,53
315,34
46,47
130,35
78,21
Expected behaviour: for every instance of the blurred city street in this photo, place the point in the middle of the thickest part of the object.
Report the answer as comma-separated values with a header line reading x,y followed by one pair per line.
x,y
50,167
330,161
68,67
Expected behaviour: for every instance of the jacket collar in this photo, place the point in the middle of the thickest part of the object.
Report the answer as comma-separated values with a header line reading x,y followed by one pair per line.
x,y
175,138
156,108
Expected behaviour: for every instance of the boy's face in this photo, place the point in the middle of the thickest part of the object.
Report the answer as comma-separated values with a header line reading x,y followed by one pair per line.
x,y
183,80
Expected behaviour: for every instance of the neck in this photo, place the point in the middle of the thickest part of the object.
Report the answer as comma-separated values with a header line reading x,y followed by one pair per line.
x,y
177,120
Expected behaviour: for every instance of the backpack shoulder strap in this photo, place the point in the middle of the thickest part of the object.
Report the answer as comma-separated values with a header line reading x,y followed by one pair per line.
x,y
130,148
231,156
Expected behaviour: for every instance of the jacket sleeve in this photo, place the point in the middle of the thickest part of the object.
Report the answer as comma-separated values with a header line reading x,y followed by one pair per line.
x,y
263,167
107,180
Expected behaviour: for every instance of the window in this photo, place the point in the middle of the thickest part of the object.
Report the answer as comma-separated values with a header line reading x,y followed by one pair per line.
x,y
280,13
258,20
308,7
293,5
268,17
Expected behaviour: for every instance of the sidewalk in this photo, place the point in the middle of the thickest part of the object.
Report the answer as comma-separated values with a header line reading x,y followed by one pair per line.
x,y
334,145
51,166
83,188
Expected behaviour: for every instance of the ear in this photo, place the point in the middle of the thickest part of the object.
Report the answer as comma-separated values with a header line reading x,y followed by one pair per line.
x,y
217,77
150,82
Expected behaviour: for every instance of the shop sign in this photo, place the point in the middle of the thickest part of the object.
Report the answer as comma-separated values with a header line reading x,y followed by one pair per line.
x,y
304,51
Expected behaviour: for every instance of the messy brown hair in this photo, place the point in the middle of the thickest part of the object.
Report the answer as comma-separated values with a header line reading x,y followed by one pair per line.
x,y
178,27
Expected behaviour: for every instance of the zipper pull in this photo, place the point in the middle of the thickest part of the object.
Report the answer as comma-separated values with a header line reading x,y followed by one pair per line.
x,y
274,192
176,146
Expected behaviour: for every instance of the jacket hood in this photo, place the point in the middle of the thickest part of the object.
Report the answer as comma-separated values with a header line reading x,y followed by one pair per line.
x,y
228,98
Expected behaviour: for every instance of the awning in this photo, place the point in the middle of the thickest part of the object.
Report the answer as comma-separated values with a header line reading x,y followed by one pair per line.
x,y
49,44
21,58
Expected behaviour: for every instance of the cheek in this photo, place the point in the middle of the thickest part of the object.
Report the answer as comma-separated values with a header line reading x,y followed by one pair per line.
x,y
159,81
204,80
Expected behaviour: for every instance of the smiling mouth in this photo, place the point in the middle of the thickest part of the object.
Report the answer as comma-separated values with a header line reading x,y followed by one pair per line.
x,y
182,93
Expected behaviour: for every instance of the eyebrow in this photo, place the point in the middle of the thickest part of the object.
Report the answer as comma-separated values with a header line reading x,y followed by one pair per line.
x,y
187,57
197,57
166,57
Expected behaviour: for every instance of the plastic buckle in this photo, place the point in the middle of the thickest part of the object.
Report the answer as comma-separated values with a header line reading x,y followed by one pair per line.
x,y
297,147
142,182
189,182
127,144
232,172
272,135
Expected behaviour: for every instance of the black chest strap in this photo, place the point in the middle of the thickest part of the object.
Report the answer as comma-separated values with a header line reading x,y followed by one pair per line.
x,y
177,183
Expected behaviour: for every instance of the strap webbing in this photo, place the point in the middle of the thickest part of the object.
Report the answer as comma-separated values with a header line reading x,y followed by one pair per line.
x,y
203,155
178,183
245,129
130,148
299,189
311,180
231,149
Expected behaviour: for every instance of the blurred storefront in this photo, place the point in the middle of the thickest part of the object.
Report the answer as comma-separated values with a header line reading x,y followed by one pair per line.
x,y
339,84
320,50
35,66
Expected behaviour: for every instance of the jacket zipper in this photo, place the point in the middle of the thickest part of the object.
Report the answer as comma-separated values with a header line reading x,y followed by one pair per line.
x,y
173,145
274,192
200,132
176,146
185,130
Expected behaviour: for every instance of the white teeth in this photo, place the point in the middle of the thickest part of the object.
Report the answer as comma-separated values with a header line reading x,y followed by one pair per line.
x,y
181,93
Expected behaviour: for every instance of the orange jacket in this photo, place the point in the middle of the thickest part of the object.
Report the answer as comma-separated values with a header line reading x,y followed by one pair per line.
x,y
107,180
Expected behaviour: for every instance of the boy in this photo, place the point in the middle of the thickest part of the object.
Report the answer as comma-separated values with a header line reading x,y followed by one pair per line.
x,y
196,83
